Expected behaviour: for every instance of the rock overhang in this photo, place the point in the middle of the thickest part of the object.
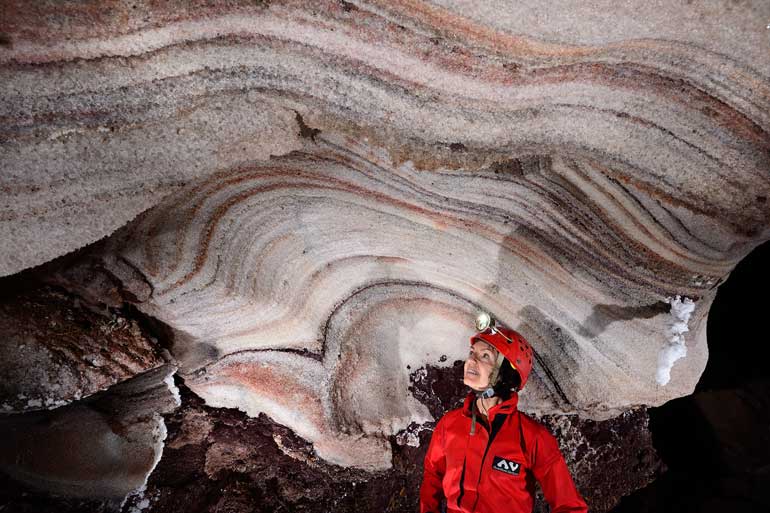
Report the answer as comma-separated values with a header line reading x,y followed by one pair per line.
x,y
319,182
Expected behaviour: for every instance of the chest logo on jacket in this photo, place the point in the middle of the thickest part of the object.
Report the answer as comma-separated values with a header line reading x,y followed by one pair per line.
x,y
507,466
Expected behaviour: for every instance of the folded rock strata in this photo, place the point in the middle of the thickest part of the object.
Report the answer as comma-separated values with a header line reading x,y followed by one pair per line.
x,y
321,279
104,114
330,192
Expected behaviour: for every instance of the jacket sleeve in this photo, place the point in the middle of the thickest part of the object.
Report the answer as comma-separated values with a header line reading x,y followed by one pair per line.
x,y
551,471
432,491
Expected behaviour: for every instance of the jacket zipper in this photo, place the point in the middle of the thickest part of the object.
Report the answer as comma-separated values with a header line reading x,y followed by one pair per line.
x,y
495,429
462,480
465,459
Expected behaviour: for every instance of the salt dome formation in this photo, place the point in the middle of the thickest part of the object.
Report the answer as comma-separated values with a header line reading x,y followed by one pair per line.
x,y
316,198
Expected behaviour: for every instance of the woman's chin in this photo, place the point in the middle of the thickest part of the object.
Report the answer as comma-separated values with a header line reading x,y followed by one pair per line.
x,y
473,383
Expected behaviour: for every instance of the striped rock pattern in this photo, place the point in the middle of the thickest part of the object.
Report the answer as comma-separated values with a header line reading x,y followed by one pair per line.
x,y
339,187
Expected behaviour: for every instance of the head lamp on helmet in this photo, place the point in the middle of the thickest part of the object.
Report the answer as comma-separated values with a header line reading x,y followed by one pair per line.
x,y
510,345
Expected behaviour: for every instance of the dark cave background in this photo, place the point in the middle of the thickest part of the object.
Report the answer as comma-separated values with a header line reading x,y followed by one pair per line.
x,y
715,443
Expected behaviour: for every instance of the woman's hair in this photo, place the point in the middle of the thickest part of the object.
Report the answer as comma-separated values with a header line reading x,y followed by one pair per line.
x,y
508,379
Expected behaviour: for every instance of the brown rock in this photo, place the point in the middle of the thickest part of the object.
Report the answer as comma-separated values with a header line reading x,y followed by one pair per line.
x,y
56,347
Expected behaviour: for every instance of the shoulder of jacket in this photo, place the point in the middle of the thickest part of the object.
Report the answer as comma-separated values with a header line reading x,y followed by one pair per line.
x,y
545,449
453,414
536,430
447,422
531,424
450,417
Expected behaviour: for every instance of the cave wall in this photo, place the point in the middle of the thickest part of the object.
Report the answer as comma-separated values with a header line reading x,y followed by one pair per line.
x,y
715,443
305,203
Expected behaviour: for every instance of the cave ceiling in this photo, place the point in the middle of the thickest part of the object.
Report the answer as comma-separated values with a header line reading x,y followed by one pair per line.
x,y
317,198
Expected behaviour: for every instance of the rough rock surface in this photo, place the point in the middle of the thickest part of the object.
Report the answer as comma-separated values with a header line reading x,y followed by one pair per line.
x,y
103,447
109,107
219,459
716,442
83,386
338,187
324,275
56,349
607,459
315,198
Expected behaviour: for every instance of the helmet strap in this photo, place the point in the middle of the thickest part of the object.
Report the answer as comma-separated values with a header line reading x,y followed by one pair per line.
x,y
489,391
495,374
486,394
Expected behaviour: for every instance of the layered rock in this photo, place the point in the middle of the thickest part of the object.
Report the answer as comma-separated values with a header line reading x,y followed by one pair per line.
x,y
318,278
330,192
107,110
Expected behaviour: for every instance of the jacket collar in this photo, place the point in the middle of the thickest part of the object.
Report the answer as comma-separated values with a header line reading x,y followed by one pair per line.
x,y
505,407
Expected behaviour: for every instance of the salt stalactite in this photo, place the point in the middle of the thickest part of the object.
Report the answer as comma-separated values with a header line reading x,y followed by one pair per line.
x,y
675,349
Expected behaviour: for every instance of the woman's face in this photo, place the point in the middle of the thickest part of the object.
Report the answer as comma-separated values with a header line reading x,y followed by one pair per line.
x,y
481,360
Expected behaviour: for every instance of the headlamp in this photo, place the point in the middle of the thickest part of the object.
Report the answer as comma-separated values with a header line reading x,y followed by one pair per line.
x,y
485,322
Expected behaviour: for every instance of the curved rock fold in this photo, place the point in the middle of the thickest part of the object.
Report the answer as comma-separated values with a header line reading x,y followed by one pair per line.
x,y
317,199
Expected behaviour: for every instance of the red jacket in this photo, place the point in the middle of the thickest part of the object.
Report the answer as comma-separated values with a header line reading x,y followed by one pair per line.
x,y
494,470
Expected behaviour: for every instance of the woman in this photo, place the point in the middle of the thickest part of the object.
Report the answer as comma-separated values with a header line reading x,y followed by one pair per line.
x,y
485,456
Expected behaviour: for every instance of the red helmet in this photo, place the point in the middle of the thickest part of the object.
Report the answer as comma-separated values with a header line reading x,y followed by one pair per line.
x,y
509,343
